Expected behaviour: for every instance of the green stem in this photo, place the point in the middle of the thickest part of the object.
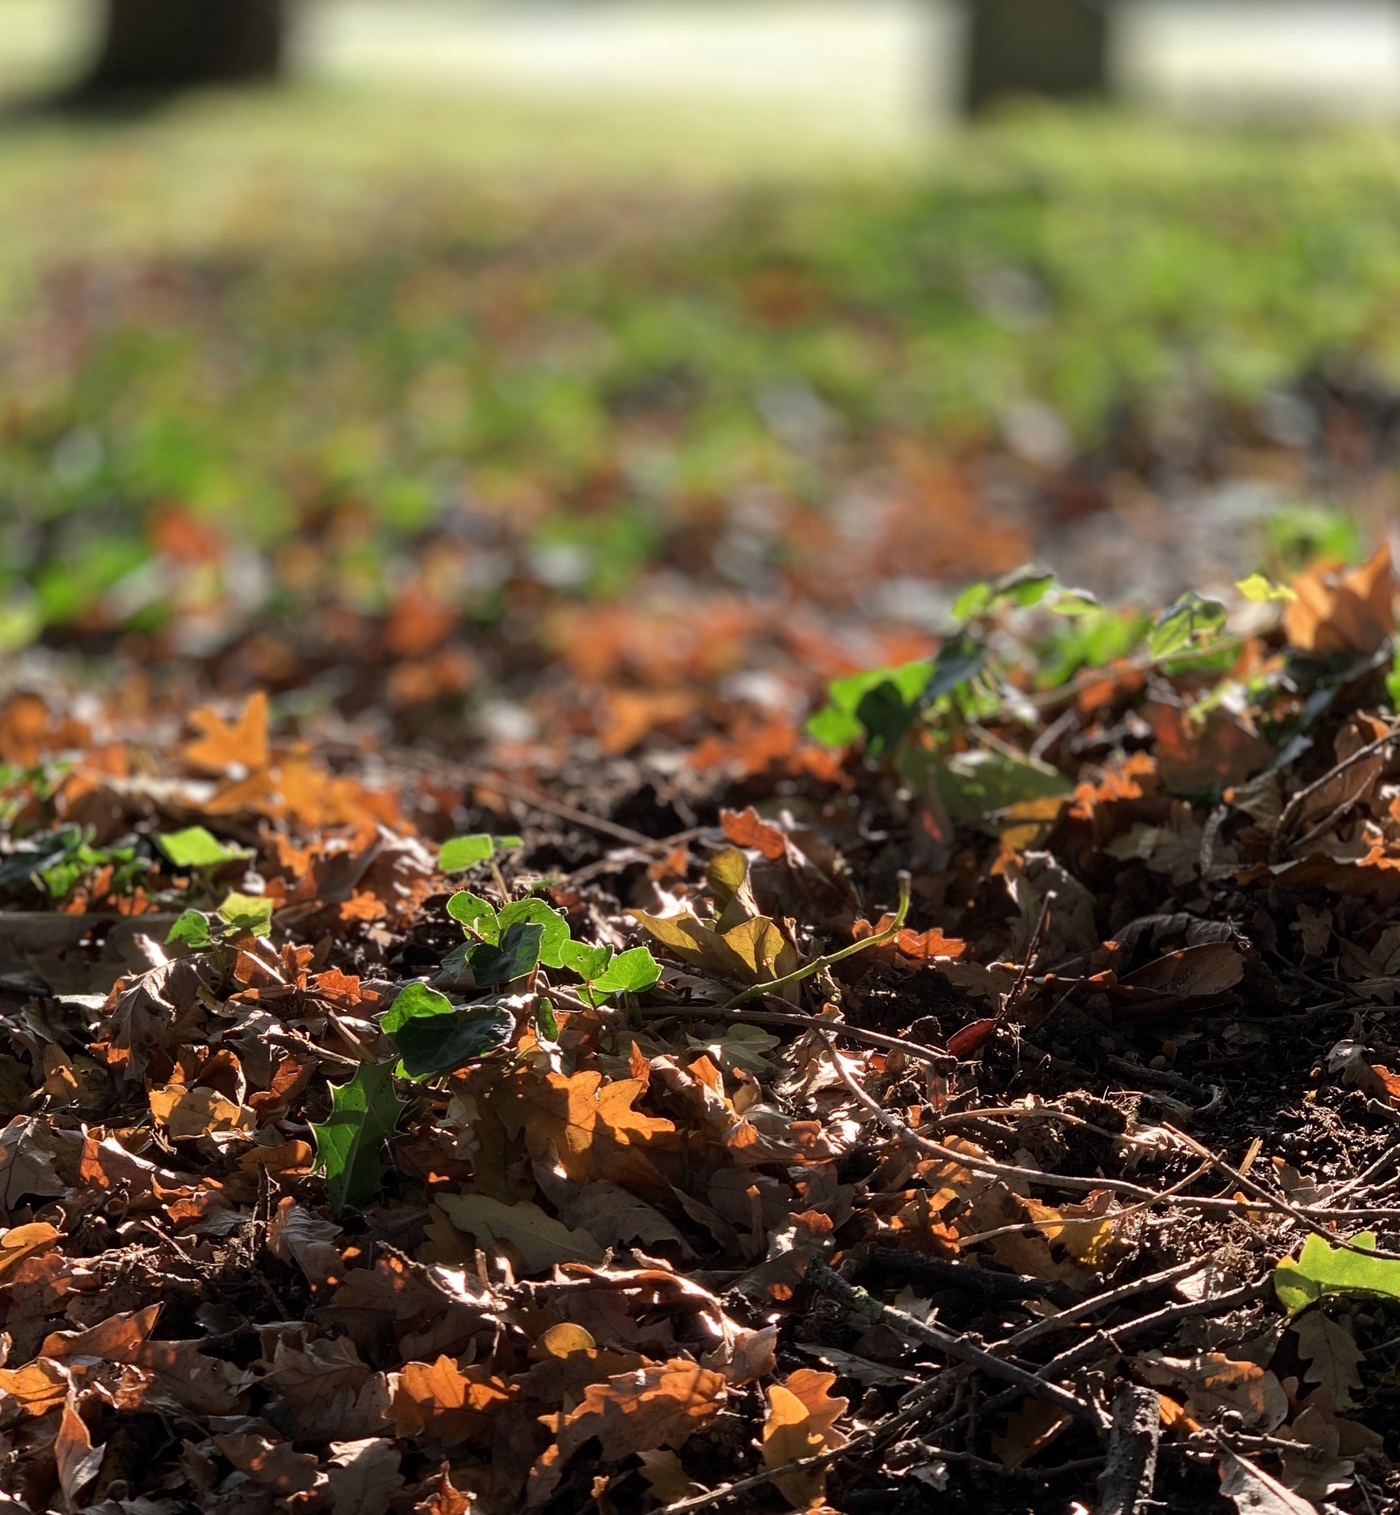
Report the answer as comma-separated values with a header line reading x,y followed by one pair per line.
x,y
771,986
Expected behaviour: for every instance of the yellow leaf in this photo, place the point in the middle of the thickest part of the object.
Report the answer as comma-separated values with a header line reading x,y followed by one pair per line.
x,y
801,1423
187,1113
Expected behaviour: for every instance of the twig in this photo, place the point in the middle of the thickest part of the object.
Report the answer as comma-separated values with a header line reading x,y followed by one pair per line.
x,y
818,963
1033,947
1126,1483
991,1169
933,1055
1303,1217
821,1277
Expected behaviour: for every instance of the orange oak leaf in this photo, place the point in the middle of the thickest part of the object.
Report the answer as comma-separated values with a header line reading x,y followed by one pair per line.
x,y
273,1465
1337,611
801,1423
438,1402
660,1405
221,744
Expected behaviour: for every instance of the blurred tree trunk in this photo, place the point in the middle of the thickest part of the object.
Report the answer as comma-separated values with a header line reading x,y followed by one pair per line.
x,y
1035,47
164,44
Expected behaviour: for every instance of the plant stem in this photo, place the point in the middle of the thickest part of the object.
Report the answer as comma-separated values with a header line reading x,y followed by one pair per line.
x,y
818,963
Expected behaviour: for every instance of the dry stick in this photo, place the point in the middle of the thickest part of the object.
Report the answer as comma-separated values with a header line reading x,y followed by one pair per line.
x,y
934,1055
991,1169
1281,1205
1295,805
1033,947
821,1277
1126,1483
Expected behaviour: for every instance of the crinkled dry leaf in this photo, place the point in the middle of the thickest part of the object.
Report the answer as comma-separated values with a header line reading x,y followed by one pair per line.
x,y
539,1239
1332,1355
438,1402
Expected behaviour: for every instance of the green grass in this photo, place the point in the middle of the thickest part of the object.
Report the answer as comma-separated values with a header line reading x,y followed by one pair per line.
x,y
603,325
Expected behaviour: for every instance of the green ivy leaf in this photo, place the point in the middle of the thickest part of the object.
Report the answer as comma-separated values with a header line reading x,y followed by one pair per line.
x,y
1181,624
192,929
194,847
247,912
464,852
476,915
350,1145
1261,590
434,1036
578,957
546,1023
517,954
555,927
628,973
1322,1269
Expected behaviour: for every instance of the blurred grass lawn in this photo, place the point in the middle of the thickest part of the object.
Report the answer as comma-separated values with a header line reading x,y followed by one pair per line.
x,y
260,306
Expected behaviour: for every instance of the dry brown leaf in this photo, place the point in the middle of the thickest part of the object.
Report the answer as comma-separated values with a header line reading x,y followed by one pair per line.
x,y
27,1155
438,1402
20,1242
363,1476
1255,1492
77,1459
1029,1431
223,745
1215,1383
613,1217
274,1465
333,1394
1194,972
660,1405
446,1498
1338,611
801,1423
38,1386
666,1478
1333,1354
295,1235
539,1240
190,1113
587,1124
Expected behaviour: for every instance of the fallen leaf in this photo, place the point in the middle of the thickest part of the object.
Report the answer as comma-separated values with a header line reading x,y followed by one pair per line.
x,y
295,1235
75,1455
660,1405
801,1423
223,745
1255,1492
1332,1353
274,1465
438,1402
190,1113
1029,1431
363,1476
538,1239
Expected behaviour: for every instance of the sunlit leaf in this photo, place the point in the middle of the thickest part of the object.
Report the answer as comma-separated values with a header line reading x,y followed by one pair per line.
x,y
247,912
476,914
1321,1269
435,1036
1261,591
194,847
191,929
1183,623
628,973
554,927
578,957
464,852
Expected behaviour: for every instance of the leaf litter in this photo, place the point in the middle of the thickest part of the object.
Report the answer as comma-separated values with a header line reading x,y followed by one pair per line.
x,y
1015,1040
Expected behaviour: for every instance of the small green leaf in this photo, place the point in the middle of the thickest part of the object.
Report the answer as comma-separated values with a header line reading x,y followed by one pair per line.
x,y
545,1022
475,914
1321,1269
740,1047
972,601
194,847
578,957
247,912
434,1036
1074,602
192,929
628,973
515,956
1180,624
464,852
1025,587
1261,590
556,927
350,1145
956,663
834,728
